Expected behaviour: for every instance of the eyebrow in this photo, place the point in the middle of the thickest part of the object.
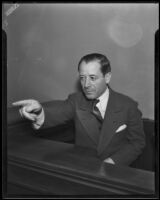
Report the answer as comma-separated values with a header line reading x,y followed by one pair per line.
x,y
88,75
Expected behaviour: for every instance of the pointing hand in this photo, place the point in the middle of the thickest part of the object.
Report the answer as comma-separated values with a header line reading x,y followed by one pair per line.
x,y
30,108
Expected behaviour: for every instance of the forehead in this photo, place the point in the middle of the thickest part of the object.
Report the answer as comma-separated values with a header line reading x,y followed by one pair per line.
x,y
89,68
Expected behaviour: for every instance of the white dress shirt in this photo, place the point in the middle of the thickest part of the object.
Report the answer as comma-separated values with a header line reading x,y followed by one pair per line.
x,y
103,101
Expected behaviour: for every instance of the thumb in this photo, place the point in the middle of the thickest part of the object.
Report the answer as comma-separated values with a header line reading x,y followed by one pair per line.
x,y
28,115
28,108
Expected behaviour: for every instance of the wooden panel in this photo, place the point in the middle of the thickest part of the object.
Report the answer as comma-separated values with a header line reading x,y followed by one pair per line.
x,y
38,166
62,180
54,168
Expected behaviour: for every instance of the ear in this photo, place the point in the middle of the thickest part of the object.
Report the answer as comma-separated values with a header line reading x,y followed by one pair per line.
x,y
108,77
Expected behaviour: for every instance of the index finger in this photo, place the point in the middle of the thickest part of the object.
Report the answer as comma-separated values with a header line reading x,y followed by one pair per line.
x,y
21,103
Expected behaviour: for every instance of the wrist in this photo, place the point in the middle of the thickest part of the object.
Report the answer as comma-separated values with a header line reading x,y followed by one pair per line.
x,y
38,112
39,120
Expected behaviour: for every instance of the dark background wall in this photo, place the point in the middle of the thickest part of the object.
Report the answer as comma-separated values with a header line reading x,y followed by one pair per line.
x,y
46,41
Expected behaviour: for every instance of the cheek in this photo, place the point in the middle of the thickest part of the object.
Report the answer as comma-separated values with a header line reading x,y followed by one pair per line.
x,y
82,84
100,88
101,85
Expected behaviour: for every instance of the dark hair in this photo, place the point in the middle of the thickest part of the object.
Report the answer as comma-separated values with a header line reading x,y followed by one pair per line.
x,y
103,60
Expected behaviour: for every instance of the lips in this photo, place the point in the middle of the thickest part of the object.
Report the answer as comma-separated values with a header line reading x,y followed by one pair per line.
x,y
88,92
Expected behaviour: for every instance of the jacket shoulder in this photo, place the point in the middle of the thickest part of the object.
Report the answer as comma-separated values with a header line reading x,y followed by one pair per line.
x,y
125,100
76,97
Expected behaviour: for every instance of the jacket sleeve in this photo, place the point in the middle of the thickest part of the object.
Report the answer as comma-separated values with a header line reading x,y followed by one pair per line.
x,y
58,112
135,138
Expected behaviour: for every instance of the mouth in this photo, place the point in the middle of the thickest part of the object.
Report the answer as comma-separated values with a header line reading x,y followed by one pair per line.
x,y
88,92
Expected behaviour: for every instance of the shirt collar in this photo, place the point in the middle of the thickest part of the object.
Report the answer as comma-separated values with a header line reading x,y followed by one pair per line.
x,y
104,96
104,99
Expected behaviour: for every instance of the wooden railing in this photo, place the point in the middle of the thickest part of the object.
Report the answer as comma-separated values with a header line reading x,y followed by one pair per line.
x,y
38,167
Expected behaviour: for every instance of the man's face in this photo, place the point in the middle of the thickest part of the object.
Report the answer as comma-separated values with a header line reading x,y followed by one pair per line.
x,y
92,80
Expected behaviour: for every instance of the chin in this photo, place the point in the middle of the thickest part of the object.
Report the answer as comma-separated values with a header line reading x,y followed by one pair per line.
x,y
90,96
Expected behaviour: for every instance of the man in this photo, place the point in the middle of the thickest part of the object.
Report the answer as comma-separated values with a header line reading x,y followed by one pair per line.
x,y
112,127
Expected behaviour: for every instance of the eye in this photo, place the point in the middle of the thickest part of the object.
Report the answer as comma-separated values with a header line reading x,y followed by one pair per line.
x,y
81,78
93,78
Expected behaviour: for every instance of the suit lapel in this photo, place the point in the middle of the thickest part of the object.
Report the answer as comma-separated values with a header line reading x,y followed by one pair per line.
x,y
110,122
88,121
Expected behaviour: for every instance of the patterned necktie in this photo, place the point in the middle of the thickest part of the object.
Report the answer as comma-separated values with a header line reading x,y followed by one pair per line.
x,y
96,111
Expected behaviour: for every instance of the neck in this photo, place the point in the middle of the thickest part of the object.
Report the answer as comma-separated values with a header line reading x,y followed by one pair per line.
x,y
103,92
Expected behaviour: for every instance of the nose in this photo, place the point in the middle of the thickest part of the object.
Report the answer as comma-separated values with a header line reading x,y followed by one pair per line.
x,y
87,83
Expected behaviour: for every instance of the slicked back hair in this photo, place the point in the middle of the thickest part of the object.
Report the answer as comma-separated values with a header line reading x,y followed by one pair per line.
x,y
102,59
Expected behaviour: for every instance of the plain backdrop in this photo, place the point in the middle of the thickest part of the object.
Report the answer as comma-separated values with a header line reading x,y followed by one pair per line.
x,y
46,41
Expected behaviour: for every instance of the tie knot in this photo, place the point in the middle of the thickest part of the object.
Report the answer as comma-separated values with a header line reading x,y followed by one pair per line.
x,y
95,102
96,111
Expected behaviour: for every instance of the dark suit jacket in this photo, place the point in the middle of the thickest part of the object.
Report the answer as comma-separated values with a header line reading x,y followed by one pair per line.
x,y
122,147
